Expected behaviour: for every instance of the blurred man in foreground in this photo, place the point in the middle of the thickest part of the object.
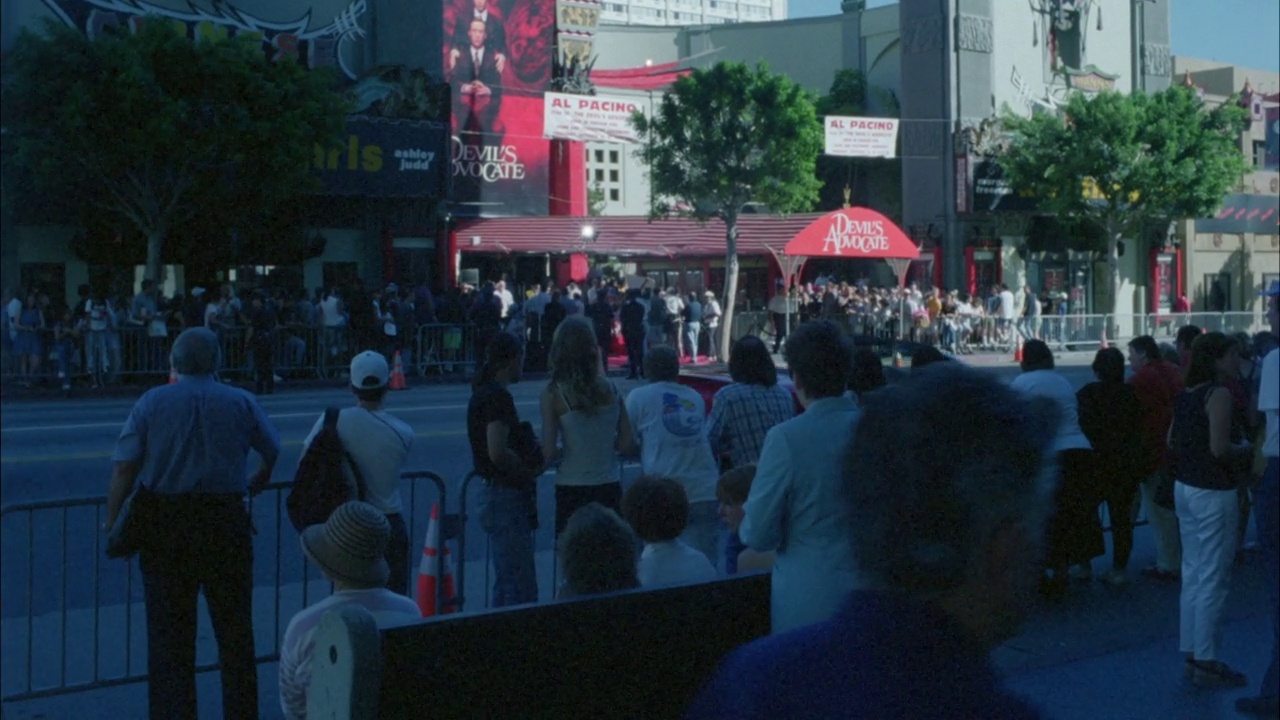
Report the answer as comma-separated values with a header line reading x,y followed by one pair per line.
x,y
946,523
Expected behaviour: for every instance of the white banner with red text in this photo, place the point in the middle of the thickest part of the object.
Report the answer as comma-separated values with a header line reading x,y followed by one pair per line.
x,y
861,136
591,118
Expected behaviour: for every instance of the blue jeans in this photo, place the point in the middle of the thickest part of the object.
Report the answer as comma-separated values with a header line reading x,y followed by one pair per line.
x,y
504,514
692,331
1266,513
705,530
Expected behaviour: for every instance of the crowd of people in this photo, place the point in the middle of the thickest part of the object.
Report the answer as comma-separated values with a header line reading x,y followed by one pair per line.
x,y
848,488
959,322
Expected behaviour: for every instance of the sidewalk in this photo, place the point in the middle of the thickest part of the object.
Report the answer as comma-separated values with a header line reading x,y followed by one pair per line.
x,y
1103,653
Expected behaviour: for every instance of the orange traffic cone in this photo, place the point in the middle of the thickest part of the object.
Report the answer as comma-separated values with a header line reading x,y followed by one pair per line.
x,y
1017,351
173,376
397,374
897,359
433,557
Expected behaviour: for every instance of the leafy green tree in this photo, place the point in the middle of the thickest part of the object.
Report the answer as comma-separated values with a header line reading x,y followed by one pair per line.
x,y
155,128
1125,163
726,136
596,202
844,179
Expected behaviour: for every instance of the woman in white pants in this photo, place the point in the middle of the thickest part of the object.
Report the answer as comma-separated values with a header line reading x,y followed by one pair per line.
x,y
1207,504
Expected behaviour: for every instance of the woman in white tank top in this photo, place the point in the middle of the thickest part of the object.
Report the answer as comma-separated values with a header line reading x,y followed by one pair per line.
x,y
583,425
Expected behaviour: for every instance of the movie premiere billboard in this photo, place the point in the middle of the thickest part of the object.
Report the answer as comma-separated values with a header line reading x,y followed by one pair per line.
x,y
591,118
861,136
497,59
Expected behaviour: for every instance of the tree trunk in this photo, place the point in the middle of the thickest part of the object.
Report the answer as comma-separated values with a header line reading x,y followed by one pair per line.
x,y
1113,277
155,241
730,284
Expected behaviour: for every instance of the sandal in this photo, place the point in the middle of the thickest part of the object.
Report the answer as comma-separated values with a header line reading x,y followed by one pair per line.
x,y
1216,674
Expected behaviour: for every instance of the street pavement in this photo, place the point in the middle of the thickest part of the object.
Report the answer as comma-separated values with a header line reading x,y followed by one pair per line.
x,y
1101,654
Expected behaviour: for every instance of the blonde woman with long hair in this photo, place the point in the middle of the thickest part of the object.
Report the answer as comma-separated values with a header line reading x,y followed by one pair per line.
x,y
583,423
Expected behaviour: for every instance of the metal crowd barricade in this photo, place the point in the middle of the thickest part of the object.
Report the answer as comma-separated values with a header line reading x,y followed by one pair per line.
x,y
446,349
544,536
79,625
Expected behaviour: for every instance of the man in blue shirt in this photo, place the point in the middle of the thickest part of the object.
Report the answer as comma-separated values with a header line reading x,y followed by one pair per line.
x,y
188,444
946,523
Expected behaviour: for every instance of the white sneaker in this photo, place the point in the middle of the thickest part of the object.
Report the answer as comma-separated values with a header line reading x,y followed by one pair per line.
x,y
1115,578
1080,572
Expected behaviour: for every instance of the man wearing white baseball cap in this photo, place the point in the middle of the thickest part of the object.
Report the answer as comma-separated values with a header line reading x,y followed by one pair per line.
x,y
379,444
350,550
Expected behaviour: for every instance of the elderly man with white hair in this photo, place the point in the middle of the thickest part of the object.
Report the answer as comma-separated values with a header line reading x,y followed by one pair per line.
x,y
946,522
183,454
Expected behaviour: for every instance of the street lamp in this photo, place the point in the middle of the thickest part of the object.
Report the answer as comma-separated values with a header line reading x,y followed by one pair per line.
x,y
588,233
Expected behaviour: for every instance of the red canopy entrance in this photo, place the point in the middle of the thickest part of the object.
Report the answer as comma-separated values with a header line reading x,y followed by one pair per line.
x,y
854,232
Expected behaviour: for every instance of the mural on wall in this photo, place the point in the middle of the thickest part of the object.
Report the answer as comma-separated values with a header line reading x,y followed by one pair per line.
x,y
318,33
498,60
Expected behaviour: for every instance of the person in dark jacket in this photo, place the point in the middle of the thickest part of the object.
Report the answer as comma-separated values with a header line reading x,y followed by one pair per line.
x,y
601,314
262,342
632,318
1111,419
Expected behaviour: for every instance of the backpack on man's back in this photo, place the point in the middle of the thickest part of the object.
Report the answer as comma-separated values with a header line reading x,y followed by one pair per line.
x,y
319,485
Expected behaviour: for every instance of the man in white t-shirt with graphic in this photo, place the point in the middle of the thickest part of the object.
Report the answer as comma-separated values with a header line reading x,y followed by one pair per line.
x,y
1266,513
1008,312
379,445
669,419
350,551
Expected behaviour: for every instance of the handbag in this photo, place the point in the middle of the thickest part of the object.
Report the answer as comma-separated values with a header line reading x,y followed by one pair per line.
x,y
134,525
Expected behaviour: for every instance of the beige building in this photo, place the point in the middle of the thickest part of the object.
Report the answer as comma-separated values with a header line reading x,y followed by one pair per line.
x,y
1229,258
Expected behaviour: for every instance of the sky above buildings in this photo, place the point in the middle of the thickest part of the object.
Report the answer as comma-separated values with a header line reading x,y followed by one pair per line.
x,y
1234,32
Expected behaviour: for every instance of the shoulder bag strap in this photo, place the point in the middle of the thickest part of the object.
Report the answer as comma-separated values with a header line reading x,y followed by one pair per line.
x,y
331,420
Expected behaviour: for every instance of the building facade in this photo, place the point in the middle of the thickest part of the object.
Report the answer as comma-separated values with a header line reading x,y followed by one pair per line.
x,y
691,12
1231,256
947,68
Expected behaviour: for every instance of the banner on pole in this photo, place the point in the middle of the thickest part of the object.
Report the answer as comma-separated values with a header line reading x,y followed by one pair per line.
x,y
590,118
861,136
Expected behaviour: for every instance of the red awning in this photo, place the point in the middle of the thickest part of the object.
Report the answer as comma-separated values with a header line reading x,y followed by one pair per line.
x,y
854,232
626,236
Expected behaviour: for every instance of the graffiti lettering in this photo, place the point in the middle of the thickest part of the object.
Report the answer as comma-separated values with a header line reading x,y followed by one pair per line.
x,y
294,40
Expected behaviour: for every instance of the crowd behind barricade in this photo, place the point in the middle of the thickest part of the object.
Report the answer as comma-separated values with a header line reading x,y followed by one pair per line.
x,y
826,500
958,322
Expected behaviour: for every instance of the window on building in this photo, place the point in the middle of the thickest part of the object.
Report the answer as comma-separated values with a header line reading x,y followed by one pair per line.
x,y
613,156
599,156
613,176
1259,153
614,195
599,175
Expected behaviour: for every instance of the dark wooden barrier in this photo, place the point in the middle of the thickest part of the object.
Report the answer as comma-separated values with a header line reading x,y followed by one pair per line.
x,y
639,654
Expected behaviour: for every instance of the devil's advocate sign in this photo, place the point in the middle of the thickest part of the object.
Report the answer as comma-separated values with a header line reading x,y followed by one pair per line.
x,y
853,232
861,136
